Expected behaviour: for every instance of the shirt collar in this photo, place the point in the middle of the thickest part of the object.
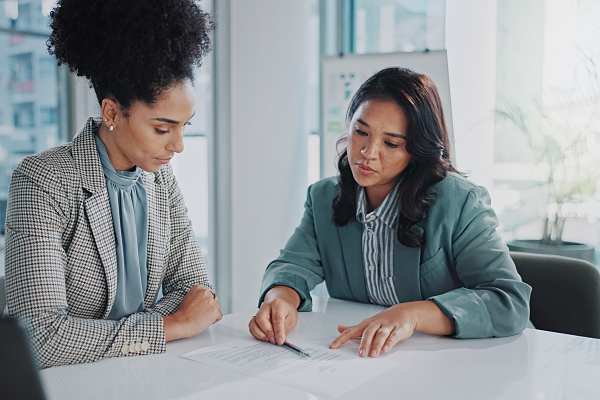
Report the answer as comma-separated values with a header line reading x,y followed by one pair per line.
x,y
387,211
122,179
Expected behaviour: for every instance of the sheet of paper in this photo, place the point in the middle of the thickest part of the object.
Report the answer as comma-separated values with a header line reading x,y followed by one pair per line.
x,y
327,372
252,357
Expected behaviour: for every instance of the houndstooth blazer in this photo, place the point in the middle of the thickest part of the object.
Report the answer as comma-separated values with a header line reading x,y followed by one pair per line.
x,y
61,264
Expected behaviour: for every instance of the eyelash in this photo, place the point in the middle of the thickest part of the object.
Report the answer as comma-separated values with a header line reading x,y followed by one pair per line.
x,y
165,131
389,144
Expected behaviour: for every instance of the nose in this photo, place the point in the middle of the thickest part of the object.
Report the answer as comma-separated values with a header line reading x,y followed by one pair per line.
x,y
370,150
176,145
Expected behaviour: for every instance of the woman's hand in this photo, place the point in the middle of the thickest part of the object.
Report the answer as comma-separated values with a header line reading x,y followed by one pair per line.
x,y
198,310
384,330
277,316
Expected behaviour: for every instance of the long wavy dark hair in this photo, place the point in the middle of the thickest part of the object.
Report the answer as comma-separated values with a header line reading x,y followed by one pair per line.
x,y
427,143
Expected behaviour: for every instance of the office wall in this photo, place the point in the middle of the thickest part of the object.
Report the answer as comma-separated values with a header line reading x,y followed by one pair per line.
x,y
268,135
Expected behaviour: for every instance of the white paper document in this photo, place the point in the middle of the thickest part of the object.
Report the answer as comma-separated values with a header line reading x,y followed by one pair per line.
x,y
326,372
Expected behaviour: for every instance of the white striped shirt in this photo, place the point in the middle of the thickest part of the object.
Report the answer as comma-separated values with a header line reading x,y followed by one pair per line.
x,y
378,238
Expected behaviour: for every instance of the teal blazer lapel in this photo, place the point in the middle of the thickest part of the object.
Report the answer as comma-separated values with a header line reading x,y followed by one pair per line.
x,y
407,280
350,236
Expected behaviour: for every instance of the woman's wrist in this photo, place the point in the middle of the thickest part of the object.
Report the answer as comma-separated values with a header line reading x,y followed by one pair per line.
x,y
427,317
173,327
284,293
409,313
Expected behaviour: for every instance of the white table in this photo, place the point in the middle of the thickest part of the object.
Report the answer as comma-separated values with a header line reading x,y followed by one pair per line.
x,y
535,365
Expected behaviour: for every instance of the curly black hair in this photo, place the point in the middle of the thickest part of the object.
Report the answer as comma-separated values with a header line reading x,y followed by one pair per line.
x,y
130,50
427,143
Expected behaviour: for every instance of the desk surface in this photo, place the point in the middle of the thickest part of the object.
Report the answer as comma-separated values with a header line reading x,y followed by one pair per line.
x,y
534,365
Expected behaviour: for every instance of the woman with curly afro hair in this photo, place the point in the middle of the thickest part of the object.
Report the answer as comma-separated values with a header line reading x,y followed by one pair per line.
x,y
97,227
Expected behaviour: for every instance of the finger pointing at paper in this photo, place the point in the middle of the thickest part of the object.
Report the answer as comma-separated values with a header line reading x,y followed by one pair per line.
x,y
380,333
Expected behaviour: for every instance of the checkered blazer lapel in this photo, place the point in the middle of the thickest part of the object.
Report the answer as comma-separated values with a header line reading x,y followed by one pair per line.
x,y
98,211
158,234
97,206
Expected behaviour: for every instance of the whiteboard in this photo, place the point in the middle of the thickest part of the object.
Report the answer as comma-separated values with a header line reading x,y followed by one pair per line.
x,y
342,76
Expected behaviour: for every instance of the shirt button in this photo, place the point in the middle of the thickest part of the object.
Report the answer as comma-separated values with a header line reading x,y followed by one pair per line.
x,y
125,349
371,268
138,347
145,346
390,278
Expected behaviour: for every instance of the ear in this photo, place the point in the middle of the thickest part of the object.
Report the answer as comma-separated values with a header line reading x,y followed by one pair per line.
x,y
110,110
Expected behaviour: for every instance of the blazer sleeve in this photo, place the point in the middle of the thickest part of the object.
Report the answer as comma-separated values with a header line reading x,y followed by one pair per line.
x,y
299,264
185,265
493,301
36,218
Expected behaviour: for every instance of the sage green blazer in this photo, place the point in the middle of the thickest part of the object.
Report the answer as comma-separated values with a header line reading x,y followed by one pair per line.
x,y
464,266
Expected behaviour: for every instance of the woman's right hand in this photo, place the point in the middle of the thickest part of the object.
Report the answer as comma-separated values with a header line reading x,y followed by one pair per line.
x,y
277,316
198,310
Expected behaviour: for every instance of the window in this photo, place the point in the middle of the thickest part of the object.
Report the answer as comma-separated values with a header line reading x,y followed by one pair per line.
x,y
26,15
21,68
47,65
525,93
29,120
24,20
547,134
23,115
48,116
383,26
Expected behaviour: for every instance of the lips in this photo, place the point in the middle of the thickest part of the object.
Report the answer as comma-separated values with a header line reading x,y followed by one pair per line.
x,y
365,168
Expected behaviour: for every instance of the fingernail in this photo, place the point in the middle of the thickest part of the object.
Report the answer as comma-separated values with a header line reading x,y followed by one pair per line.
x,y
386,348
361,353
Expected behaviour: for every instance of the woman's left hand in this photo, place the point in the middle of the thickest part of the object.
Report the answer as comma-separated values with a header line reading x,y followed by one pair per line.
x,y
379,333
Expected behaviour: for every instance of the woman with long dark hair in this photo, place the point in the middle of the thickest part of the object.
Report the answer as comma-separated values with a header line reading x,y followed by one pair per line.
x,y
399,227
97,227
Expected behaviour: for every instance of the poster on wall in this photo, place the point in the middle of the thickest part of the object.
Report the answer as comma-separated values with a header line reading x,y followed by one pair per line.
x,y
341,77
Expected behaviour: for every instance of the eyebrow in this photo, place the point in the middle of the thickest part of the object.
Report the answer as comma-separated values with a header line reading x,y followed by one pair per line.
x,y
171,121
393,134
